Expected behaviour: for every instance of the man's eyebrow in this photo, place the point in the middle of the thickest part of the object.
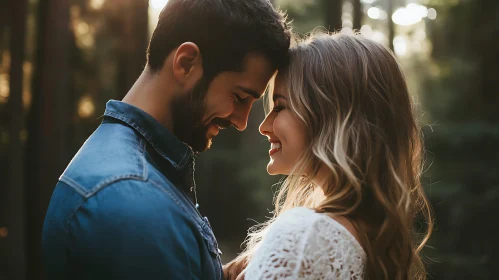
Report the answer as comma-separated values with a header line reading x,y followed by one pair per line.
x,y
251,92
276,96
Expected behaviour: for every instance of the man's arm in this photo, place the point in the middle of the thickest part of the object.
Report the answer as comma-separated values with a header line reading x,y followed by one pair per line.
x,y
132,230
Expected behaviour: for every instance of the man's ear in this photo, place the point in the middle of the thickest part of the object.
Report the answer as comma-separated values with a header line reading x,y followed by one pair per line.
x,y
187,64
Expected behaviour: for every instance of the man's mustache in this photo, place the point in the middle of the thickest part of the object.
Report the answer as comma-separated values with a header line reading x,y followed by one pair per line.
x,y
222,123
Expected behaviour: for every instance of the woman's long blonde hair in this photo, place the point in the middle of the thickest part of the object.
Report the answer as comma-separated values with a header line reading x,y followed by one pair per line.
x,y
351,94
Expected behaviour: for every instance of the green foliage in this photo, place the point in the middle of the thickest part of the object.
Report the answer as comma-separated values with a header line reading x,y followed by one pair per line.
x,y
305,15
463,182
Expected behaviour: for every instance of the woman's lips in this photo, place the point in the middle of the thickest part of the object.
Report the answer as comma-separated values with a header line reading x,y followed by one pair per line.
x,y
274,147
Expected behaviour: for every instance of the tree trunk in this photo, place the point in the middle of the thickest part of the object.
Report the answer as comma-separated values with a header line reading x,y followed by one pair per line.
x,y
48,123
391,26
14,242
4,9
333,10
357,14
134,42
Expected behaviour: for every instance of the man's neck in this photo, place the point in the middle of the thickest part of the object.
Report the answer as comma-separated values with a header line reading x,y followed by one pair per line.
x,y
149,93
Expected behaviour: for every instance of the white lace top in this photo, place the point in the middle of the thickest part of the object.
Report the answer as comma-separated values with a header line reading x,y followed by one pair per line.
x,y
304,244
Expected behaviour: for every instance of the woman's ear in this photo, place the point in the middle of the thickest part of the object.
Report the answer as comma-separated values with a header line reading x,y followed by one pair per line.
x,y
187,64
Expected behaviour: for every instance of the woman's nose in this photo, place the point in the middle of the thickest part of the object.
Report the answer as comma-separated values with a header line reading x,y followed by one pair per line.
x,y
266,126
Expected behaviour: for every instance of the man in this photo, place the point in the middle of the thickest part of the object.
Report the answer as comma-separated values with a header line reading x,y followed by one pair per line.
x,y
125,207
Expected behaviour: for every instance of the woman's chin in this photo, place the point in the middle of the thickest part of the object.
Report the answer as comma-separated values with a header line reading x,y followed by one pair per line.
x,y
274,169
271,168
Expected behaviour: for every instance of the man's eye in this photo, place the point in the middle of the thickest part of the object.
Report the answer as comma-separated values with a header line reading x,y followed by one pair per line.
x,y
238,98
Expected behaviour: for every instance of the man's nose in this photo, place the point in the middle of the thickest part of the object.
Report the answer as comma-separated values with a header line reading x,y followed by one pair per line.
x,y
240,117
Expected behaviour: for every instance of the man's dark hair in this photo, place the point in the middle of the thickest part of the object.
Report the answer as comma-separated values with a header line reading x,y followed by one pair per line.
x,y
224,30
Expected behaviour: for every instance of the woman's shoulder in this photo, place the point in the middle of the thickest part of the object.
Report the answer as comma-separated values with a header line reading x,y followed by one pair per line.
x,y
296,219
304,244
305,217
306,223
298,213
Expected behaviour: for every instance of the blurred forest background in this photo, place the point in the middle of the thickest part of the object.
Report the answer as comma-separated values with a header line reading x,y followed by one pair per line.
x,y
60,61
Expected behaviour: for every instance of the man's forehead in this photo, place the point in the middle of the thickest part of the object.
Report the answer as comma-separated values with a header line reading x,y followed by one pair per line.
x,y
256,61
257,71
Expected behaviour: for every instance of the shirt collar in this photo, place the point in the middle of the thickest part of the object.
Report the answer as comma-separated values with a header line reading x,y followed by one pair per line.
x,y
160,138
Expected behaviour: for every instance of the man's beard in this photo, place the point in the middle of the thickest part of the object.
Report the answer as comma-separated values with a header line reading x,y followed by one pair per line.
x,y
188,113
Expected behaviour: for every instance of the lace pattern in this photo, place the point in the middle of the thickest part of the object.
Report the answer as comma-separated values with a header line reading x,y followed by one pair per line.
x,y
303,244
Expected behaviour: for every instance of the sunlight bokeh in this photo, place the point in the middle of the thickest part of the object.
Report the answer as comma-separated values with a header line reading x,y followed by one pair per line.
x,y
96,4
155,7
157,4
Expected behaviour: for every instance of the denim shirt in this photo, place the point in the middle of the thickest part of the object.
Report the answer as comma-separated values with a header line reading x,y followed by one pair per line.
x,y
122,209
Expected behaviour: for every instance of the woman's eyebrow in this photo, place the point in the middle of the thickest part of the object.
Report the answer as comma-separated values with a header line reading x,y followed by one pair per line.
x,y
276,96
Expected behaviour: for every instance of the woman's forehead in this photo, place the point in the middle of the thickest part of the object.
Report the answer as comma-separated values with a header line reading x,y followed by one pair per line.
x,y
280,86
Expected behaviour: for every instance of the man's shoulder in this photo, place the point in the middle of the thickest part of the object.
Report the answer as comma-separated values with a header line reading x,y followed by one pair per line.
x,y
112,153
111,170
129,220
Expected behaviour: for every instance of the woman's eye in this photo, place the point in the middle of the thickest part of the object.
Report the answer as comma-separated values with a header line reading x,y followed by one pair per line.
x,y
277,109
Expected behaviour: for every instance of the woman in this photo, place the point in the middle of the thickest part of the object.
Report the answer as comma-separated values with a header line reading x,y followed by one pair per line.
x,y
341,127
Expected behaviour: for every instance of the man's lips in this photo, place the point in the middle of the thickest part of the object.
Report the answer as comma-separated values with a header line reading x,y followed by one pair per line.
x,y
214,129
221,123
218,124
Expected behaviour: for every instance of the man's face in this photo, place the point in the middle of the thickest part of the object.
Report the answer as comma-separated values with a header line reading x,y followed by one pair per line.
x,y
225,101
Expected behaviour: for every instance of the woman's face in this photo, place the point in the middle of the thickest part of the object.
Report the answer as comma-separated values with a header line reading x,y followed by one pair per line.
x,y
285,130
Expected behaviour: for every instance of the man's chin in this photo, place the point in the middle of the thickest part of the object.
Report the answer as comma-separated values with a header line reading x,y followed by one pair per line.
x,y
208,144
202,147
